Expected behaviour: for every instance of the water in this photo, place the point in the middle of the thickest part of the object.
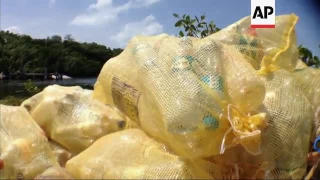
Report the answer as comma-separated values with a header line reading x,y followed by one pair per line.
x,y
16,87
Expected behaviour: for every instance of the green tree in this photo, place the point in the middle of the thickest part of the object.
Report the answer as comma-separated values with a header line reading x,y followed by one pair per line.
x,y
116,51
307,57
22,53
194,27
68,37
30,87
56,38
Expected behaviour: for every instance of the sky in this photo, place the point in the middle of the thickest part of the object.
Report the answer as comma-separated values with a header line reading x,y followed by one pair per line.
x,y
114,22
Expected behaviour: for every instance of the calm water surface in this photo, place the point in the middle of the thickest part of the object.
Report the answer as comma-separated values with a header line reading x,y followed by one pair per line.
x,y
16,87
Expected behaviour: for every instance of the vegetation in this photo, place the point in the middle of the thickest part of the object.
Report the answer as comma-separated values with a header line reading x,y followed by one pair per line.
x,y
21,53
307,57
30,87
195,27
200,28
12,101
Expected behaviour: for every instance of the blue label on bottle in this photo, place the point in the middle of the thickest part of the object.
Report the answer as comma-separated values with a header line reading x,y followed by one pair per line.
x,y
210,122
182,63
214,81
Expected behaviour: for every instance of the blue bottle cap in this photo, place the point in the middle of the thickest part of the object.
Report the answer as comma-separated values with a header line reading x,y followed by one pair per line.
x,y
316,144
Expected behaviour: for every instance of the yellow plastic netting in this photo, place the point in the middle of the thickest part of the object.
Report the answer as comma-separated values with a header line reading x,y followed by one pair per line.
x,y
285,142
309,80
72,118
185,104
301,65
24,149
266,49
54,173
62,154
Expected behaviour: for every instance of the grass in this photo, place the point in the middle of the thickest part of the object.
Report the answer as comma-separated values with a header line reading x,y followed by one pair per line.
x,y
31,90
12,101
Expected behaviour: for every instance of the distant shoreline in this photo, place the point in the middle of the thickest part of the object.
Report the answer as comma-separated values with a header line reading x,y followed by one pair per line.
x,y
5,79
16,88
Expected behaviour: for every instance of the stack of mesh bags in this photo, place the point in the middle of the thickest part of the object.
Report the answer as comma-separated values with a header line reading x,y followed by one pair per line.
x,y
24,150
48,129
231,99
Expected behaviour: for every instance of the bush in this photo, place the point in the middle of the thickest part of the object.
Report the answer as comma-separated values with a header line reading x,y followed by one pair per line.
x,y
30,87
12,101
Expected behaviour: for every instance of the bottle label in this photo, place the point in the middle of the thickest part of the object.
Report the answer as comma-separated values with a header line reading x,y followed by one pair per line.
x,y
126,98
182,63
213,81
249,44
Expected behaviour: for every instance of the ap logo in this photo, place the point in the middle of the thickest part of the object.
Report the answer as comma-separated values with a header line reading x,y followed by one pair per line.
x,y
263,14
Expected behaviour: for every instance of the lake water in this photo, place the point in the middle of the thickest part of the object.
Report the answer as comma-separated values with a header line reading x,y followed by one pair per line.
x,y
16,88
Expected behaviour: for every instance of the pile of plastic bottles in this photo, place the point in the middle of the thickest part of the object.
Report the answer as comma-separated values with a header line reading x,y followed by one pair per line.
x,y
238,104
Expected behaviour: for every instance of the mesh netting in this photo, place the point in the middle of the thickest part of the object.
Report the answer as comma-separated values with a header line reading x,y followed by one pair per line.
x,y
62,154
301,65
70,117
24,149
286,140
265,49
309,80
54,173
203,97
184,98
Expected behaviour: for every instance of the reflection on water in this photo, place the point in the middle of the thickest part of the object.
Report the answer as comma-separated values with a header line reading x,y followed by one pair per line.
x,y
16,87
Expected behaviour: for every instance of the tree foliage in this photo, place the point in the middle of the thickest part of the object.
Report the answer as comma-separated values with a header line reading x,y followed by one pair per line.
x,y
195,27
21,53
307,57
30,87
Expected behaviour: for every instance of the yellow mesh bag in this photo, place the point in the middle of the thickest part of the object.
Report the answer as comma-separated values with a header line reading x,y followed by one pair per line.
x,y
131,154
285,143
301,65
179,90
70,117
266,49
24,149
248,166
186,85
54,173
317,122
309,80
62,154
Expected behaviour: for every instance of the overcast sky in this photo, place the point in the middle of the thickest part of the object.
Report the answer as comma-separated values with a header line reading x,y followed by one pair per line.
x,y
114,22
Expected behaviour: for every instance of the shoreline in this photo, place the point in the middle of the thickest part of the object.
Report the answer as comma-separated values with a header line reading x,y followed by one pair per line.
x,y
74,78
16,88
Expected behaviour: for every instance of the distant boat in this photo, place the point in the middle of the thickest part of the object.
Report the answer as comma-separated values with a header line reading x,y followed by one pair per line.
x,y
63,77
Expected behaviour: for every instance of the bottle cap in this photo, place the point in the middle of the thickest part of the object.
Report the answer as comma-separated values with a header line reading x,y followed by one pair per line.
x,y
316,144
